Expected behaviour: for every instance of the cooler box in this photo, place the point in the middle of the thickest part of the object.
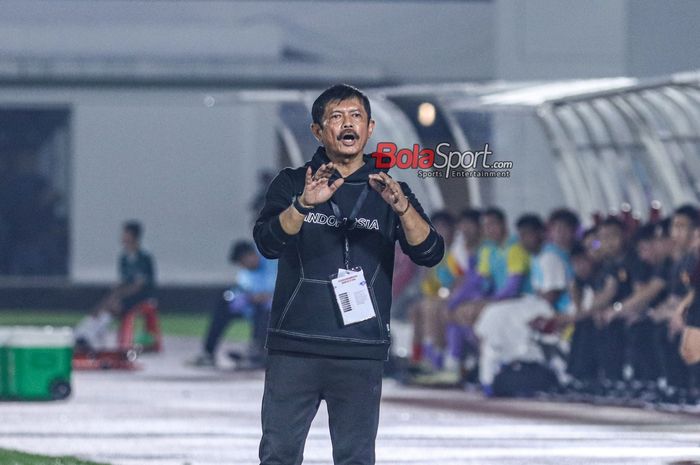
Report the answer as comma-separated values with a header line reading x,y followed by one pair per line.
x,y
38,363
5,332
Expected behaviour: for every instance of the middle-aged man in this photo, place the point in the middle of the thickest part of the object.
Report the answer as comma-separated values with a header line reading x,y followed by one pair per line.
x,y
323,220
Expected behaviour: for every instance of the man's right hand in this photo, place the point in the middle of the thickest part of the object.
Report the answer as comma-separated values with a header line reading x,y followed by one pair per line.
x,y
316,188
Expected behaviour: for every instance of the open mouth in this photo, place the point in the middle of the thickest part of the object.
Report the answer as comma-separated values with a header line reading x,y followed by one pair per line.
x,y
348,138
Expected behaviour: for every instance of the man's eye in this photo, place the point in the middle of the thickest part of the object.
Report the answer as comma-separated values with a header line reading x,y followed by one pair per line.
x,y
336,116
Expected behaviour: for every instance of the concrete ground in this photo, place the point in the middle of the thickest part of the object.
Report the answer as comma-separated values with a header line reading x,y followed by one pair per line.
x,y
171,414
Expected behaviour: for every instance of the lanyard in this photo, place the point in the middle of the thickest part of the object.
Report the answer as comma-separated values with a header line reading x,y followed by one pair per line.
x,y
348,223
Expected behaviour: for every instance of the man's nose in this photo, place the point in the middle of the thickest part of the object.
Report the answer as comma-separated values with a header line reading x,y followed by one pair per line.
x,y
347,122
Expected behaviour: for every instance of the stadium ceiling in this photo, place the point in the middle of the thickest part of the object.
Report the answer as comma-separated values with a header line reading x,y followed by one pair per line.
x,y
615,141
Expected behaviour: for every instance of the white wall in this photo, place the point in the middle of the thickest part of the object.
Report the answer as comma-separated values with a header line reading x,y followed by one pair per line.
x,y
663,37
560,39
406,41
187,171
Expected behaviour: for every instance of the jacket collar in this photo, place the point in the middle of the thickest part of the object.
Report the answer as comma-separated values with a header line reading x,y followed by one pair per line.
x,y
362,173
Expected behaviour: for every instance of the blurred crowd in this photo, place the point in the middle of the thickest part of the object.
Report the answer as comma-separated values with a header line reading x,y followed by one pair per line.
x,y
589,313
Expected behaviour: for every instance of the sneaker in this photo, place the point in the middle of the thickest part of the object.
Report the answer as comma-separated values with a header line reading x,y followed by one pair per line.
x,y
421,367
444,378
203,360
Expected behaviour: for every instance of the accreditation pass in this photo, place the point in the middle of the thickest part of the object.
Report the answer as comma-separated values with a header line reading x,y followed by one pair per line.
x,y
352,295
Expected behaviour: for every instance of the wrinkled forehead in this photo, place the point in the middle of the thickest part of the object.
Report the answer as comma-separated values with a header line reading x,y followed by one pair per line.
x,y
344,105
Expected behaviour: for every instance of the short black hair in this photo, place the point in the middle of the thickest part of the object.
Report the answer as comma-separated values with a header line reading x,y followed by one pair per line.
x,y
338,92
530,221
239,249
690,212
470,214
593,230
613,221
578,250
443,216
495,212
134,228
565,216
646,232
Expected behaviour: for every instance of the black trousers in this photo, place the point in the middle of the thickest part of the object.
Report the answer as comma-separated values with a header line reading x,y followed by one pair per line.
x,y
583,359
295,384
598,353
673,368
222,316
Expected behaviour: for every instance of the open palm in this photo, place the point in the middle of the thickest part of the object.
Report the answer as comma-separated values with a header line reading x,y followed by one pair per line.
x,y
316,188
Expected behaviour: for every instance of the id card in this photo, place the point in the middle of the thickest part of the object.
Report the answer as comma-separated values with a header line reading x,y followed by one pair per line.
x,y
353,297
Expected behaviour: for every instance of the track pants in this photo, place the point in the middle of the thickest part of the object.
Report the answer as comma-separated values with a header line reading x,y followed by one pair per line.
x,y
295,384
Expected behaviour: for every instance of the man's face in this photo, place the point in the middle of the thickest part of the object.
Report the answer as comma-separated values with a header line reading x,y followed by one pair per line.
x,y
494,229
531,239
610,241
681,232
646,251
583,266
250,261
129,242
663,247
345,128
446,230
470,230
561,233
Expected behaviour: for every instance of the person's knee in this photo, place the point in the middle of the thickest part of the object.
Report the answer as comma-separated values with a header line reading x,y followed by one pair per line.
x,y
278,449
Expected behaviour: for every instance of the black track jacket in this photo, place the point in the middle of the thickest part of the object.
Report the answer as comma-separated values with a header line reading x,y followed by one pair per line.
x,y
305,316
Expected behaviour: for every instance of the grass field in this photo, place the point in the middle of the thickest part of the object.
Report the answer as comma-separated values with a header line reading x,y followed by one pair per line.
x,y
12,457
175,324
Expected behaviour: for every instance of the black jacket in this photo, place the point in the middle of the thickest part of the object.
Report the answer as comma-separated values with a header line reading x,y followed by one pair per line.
x,y
305,317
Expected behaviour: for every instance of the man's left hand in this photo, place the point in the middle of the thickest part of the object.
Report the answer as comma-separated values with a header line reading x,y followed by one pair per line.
x,y
390,190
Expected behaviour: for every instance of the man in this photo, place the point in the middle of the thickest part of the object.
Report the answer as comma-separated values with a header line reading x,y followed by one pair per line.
x,y
502,269
612,285
137,283
249,298
463,251
504,328
323,220
466,244
649,285
668,315
436,285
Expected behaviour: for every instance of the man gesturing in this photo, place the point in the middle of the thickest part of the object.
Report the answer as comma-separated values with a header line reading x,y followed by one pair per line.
x,y
332,224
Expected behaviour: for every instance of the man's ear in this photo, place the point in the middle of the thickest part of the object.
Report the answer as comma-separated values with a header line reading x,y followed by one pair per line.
x,y
316,130
370,128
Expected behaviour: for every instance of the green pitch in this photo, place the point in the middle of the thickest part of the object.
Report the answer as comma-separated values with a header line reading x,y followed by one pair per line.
x,y
176,324
12,457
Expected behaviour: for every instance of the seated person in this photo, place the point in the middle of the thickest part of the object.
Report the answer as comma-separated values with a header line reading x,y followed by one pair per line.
x,y
611,284
649,289
250,298
668,315
428,337
136,284
504,327
648,284
467,241
501,271
690,307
